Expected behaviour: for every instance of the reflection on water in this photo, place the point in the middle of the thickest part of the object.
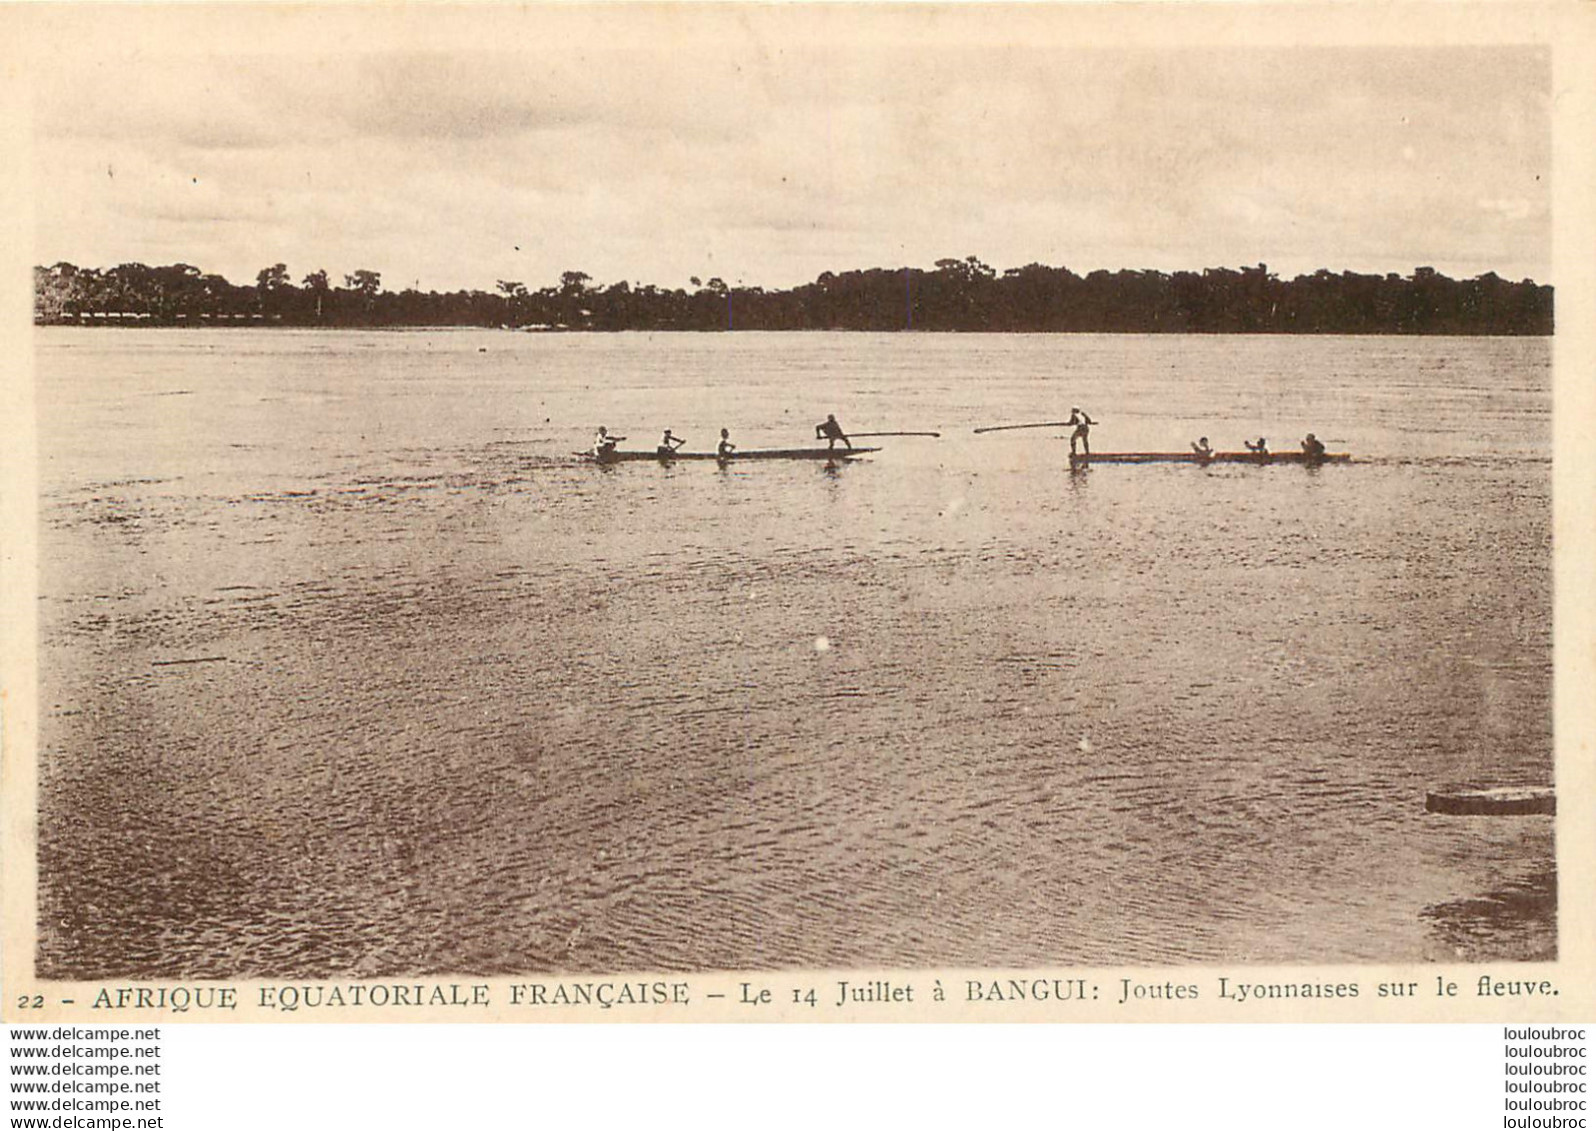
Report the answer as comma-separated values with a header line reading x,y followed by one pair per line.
x,y
469,704
1518,919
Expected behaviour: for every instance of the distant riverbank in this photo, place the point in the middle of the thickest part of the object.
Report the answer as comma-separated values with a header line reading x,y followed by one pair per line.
x,y
957,296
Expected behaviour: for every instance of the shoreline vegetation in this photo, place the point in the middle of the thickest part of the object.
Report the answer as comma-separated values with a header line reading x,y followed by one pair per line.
x,y
957,295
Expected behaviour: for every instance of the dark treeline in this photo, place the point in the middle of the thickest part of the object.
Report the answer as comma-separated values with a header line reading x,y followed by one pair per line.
x,y
958,295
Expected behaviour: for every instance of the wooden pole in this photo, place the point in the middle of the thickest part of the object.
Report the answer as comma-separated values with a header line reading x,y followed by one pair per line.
x,y
1043,424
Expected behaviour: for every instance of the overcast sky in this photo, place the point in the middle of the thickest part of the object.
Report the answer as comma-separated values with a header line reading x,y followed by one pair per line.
x,y
767,159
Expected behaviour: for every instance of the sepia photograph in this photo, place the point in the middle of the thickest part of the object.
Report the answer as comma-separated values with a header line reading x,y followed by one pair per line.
x,y
570,492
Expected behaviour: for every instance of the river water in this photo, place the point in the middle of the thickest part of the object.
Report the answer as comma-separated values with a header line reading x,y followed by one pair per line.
x,y
349,668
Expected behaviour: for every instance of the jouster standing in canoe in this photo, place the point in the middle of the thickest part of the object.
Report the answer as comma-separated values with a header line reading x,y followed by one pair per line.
x,y
1083,431
830,431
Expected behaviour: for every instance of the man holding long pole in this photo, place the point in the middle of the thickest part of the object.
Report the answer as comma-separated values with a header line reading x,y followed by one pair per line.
x,y
1083,431
830,431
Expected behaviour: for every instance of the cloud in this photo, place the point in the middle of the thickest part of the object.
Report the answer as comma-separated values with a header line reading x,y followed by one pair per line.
x,y
780,159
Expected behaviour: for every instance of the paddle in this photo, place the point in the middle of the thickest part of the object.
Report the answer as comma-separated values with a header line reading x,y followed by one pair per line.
x,y
857,435
1043,424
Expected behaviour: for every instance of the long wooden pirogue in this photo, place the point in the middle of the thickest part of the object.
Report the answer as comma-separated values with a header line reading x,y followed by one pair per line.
x,y
1216,457
741,456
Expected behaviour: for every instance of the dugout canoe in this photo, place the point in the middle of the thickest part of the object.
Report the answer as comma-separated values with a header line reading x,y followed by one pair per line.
x,y
1217,457
742,456
1503,801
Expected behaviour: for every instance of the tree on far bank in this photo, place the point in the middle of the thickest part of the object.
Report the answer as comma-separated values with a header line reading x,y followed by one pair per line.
x,y
275,289
364,282
273,278
317,284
